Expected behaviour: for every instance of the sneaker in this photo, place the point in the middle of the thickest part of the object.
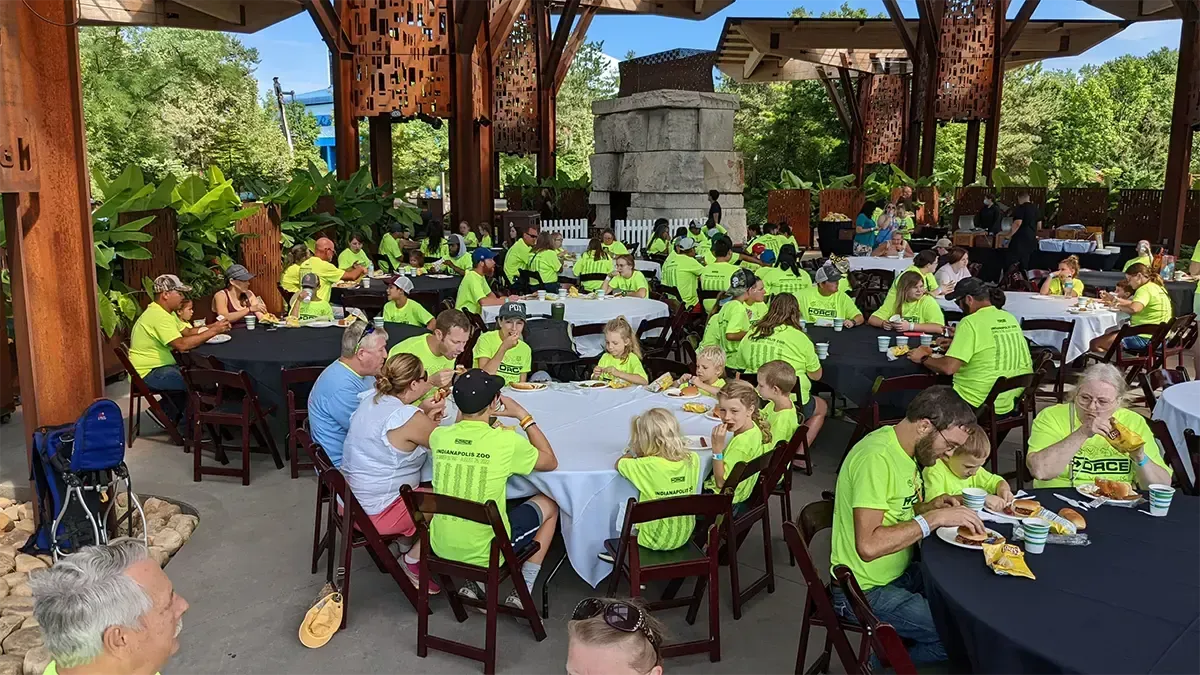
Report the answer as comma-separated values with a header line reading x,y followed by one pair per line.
x,y
400,546
472,591
605,556
413,572
514,601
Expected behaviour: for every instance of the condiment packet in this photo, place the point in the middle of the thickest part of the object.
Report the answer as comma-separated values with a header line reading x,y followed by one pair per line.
x,y
1006,559
661,383
1058,524
1077,539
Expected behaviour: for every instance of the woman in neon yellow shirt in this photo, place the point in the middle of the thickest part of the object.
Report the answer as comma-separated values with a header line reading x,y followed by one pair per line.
x,y
1141,255
910,301
1064,281
661,242
353,254
546,262
625,280
484,235
611,244
434,246
1149,306
595,260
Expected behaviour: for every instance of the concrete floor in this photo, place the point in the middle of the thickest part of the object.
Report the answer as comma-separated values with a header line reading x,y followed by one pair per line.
x,y
245,573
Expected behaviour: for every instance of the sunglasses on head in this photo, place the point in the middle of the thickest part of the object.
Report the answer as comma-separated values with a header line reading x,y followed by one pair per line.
x,y
619,615
370,329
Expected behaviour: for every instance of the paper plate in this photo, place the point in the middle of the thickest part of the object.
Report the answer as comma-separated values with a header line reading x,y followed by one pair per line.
x,y
218,339
697,443
1088,490
711,415
440,276
528,386
320,324
676,392
948,534
591,384
1006,517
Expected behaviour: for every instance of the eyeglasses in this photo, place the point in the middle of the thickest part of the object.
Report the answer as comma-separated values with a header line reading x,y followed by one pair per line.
x,y
619,615
370,329
1087,401
949,445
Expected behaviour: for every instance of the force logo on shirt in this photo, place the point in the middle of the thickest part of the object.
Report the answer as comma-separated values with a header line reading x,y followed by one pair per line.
x,y
1102,465
822,311
679,479
916,486
509,369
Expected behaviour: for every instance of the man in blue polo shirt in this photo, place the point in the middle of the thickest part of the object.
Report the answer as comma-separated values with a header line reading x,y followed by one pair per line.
x,y
335,394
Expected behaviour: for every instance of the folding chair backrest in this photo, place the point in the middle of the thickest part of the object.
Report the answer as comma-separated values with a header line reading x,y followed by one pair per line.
x,y
319,457
135,380
884,640
1160,379
765,470
295,381
658,342
710,509
423,506
1005,384
210,388
1177,330
818,594
656,366
587,329
814,518
1174,457
594,276
1192,441
1067,328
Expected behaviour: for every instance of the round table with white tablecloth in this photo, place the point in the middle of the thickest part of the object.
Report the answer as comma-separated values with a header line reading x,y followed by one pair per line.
x,y
1088,325
1179,408
889,263
643,266
583,311
589,430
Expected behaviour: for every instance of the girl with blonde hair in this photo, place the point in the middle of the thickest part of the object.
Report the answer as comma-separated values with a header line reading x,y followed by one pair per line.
x,y
660,466
622,357
1065,281
614,637
744,435
910,300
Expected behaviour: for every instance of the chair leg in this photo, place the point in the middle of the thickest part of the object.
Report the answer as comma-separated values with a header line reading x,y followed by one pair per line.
x,y
489,636
263,433
246,452
133,415
197,447
731,547
714,612
316,549
802,650
293,446
546,587
768,559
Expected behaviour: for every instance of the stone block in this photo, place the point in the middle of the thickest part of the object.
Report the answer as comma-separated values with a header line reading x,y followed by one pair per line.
x,y
183,524
664,171
666,98
724,171
22,640
606,168
28,563
597,198
620,132
167,539
159,555
716,130
603,216
6,523
31,622
21,606
9,625
682,201
734,220
25,526
671,129
36,660
12,665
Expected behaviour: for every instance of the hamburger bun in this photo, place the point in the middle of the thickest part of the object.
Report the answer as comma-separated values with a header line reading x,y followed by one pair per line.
x,y
1025,508
966,536
689,390
1073,516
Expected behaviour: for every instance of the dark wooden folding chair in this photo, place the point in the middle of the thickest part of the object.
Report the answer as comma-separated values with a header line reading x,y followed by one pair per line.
x,y
1021,416
883,638
220,401
656,366
1177,339
527,281
1192,442
503,563
297,382
640,564
1130,362
1056,375
818,603
872,289
657,345
1157,380
715,296
1175,459
138,392
671,292
326,525
597,277
286,295
873,413
430,300
795,448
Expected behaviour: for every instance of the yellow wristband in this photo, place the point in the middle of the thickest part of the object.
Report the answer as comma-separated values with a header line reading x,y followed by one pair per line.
x,y
526,421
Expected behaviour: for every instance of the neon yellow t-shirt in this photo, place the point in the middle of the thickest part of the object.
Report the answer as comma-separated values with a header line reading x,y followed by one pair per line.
x,y
784,423
389,247
150,340
779,281
1056,287
589,264
418,346
931,282
1156,305
785,344
631,365
684,272
329,274
924,310
1145,260
290,281
517,259
990,344
616,248
517,361
940,480
470,239
657,247
744,447
412,313
735,316
443,250
463,262
347,258
635,283
474,287
715,277
660,478
471,460
823,309
1096,458
878,475
546,265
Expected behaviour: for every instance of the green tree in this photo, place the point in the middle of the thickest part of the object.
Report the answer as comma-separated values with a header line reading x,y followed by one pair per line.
x,y
590,78
420,155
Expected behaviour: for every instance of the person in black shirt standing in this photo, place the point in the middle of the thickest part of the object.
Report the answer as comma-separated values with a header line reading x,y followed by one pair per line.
x,y
1026,220
714,208
988,218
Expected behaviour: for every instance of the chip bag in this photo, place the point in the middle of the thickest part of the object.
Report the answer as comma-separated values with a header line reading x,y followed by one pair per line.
x,y
1124,439
1006,559
662,382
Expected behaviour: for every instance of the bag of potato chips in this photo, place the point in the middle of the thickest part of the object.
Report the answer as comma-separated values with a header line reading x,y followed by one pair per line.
x,y
661,383
1124,439
1006,559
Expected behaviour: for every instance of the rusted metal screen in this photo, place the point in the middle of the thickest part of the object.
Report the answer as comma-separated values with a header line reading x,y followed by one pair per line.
x,y
1194,72
793,208
1008,196
515,95
883,106
687,69
401,56
966,47
847,201
968,201
161,245
262,254
1191,218
1083,206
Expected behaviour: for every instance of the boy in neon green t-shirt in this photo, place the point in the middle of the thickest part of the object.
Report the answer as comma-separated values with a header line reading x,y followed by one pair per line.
x,y
502,351
964,469
401,309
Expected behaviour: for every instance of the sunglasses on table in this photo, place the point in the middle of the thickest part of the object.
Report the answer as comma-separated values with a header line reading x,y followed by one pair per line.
x,y
618,615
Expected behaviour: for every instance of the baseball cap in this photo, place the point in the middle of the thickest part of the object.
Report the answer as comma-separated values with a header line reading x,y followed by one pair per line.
x,y
403,283
943,243
693,225
972,286
321,621
475,390
309,281
827,273
741,281
165,283
512,310
238,273
397,227
685,244
482,253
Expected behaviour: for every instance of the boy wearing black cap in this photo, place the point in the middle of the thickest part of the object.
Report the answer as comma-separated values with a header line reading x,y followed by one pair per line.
x,y
472,460
502,351
729,325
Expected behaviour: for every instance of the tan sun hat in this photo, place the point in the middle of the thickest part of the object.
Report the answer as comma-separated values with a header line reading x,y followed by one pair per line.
x,y
321,621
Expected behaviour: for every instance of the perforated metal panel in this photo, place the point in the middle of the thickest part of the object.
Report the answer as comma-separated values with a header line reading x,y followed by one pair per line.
x,y
966,47
1083,206
401,56
514,99
686,69
883,119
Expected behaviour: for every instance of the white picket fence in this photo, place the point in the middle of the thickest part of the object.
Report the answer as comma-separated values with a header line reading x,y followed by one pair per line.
x,y
574,228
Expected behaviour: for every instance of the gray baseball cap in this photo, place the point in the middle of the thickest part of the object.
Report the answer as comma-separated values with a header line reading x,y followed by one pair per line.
x,y
309,281
165,283
403,283
827,273
512,310
238,273
742,281
686,244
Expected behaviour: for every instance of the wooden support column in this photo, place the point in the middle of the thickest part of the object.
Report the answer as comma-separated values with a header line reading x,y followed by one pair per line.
x,y
471,199
991,139
931,22
1179,146
53,268
971,156
912,138
345,124
379,129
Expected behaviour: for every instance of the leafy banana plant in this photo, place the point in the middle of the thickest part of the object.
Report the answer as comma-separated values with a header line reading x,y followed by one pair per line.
x,y
207,211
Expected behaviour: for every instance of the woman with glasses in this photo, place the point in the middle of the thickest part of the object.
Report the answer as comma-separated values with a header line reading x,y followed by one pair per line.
x,y
613,637
1069,445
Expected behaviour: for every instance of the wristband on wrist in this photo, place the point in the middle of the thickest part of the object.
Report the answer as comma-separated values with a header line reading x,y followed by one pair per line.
x,y
1145,458
525,420
718,456
528,424
924,526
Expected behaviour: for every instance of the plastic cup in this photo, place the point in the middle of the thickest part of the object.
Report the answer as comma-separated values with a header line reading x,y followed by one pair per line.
x,y
883,341
822,350
1160,499
379,321
1036,531
541,295
973,498
251,321
901,340
803,325
366,282
926,340
838,322
600,294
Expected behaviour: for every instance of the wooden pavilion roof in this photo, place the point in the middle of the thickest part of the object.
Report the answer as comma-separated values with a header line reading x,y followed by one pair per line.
x,y
1138,10
785,49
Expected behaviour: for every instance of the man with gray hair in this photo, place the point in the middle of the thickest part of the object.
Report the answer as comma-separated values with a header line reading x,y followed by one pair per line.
x,y
107,609
334,396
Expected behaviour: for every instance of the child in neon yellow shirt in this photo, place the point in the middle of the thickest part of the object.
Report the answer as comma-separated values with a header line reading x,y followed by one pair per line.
x,y
622,359
964,469
710,371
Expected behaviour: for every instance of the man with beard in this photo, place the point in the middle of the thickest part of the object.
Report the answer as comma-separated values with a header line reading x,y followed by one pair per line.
x,y
107,609
879,514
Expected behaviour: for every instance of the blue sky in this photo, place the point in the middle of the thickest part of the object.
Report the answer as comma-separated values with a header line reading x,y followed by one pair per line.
x,y
293,50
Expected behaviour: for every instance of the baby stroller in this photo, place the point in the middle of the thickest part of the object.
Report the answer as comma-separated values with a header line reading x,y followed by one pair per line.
x,y
78,471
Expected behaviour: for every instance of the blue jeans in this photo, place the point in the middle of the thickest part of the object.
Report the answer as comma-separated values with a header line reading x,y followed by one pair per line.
x,y
168,381
901,603
1135,343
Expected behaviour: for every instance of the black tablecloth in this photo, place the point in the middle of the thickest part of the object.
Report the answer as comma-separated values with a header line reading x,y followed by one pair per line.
x,y
1128,603
447,289
1182,292
264,352
855,360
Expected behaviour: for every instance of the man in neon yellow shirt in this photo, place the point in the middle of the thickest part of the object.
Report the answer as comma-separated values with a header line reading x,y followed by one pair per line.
x,y
729,326
155,333
716,276
439,349
823,303
391,247
107,609
988,344
502,351
683,271
519,254
474,292
880,514
321,265
472,460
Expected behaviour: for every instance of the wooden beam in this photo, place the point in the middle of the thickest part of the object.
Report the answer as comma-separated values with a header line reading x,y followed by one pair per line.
x,y
329,25
698,6
500,26
897,17
345,123
469,17
851,100
225,10
566,20
751,63
1179,144
577,37
931,21
971,156
991,139
379,135
837,101
1014,30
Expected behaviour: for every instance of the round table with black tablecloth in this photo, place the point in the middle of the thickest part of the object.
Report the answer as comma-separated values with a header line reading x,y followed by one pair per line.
x,y
447,289
264,352
992,259
1182,292
1127,603
855,360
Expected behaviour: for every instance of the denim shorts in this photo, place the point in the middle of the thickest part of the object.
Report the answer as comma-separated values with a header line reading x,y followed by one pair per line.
x,y
524,520
1137,343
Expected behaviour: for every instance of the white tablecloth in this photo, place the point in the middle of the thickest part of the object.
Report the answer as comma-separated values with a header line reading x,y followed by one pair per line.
x,y
872,263
1033,306
576,246
581,312
1179,407
589,430
568,269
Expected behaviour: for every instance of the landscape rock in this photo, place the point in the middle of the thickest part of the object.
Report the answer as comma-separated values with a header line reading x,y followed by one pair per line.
x,y
10,551
159,555
9,625
22,640
14,578
3,589
5,502
167,539
28,563
26,526
21,590
14,538
20,606
25,511
46,559
12,665
183,524
8,563
36,661
13,512
6,523
167,510
152,504
31,622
